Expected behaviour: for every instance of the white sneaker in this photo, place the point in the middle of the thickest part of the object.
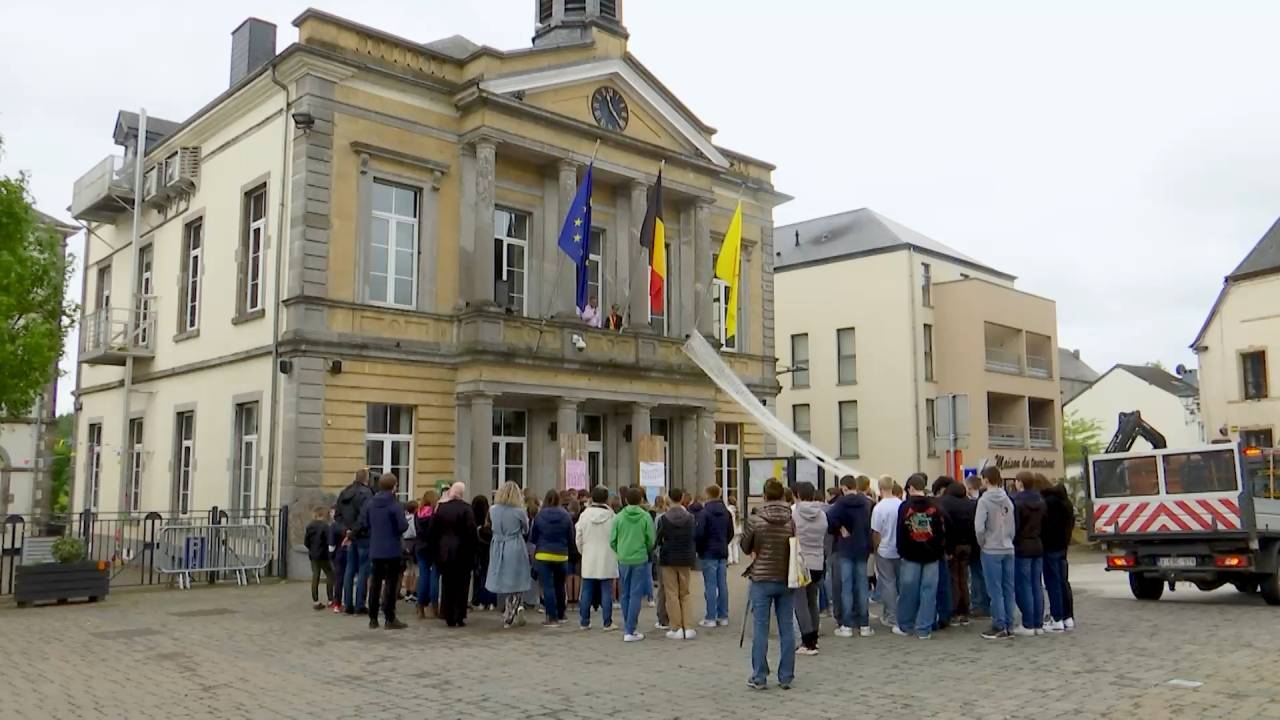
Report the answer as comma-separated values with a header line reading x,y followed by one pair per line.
x,y
723,622
652,604
1023,631
802,650
707,623
1040,631
690,634
843,631
1056,626
899,631
866,631
660,626
633,638
1069,624
674,635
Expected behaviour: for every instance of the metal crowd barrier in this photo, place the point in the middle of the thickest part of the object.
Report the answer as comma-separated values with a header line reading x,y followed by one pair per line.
x,y
190,548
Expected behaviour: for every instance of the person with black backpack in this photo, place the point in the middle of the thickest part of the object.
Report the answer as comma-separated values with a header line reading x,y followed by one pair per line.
x,y
922,535
357,564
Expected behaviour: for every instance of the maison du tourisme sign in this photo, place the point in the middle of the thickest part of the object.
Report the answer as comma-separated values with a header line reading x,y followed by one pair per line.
x,y
1026,463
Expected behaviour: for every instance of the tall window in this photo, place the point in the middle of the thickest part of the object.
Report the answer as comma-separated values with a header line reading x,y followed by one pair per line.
x,y
926,285
544,11
102,293
928,353
595,267
728,449
246,461
143,303
931,426
800,361
720,314
93,466
251,251
800,422
184,459
510,436
849,429
388,445
846,357
192,252
510,250
1253,367
133,493
658,320
609,9
393,249
593,427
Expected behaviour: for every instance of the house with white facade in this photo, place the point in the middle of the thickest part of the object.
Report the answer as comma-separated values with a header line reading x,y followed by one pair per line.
x,y
1171,404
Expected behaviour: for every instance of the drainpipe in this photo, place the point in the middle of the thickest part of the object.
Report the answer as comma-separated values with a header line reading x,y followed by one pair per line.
x,y
915,352
139,158
277,305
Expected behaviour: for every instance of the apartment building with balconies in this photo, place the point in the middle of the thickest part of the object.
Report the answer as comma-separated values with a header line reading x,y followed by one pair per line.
x,y
879,325
348,259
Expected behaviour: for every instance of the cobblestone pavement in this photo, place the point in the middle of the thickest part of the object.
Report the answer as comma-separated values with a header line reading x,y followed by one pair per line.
x,y
261,652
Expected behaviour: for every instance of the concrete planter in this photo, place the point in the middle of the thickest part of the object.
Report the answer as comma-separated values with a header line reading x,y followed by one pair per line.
x,y
60,582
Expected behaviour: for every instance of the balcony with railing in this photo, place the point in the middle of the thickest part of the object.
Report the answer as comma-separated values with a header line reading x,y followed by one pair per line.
x,y
1040,352
1004,348
1004,361
1001,435
112,335
1039,367
1041,438
103,192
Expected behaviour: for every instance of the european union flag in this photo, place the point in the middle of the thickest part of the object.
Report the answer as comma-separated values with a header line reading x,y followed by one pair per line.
x,y
575,237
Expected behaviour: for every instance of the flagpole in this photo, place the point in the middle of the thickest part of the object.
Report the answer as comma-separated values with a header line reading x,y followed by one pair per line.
x,y
627,316
560,271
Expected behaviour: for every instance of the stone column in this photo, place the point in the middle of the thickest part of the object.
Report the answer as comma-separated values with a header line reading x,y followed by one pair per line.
x,y
684,276
481,443
638,312
744,299
563,279
706,432
640,414
482,281
702,267
566,416
462,438
687,474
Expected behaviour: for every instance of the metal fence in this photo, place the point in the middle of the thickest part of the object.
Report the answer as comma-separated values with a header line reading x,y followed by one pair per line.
x,y
132,544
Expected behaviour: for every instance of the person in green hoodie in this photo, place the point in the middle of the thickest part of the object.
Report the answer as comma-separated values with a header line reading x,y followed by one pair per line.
x,y
632,539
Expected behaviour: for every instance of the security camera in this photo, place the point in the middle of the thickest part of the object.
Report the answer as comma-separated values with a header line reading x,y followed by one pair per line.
x,y
578,342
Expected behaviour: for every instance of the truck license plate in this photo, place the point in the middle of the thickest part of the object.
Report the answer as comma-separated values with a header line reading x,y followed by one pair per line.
x,y
1176,562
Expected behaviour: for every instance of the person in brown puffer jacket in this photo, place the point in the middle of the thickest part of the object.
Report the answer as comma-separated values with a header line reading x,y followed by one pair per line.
x,y
767,538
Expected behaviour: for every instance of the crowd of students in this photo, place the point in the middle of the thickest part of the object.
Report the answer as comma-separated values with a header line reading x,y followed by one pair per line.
x,y
930,556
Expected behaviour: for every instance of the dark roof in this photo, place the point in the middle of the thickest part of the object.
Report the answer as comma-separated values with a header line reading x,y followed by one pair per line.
x,y
1161,379
157,128
62,228
1263,258
854,233
1071,367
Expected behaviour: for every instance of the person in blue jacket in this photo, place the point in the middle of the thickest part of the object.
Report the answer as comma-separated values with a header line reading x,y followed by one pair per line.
x,y
712,534
382,518
553,541
849,519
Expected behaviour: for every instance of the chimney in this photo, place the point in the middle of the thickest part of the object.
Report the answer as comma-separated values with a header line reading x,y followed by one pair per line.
x,y
253,44
1076,353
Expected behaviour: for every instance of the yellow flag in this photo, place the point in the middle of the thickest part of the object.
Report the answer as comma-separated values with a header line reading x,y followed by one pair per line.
x,y
729,269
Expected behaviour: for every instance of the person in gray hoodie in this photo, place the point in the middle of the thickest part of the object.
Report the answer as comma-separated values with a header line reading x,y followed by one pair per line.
x,y
994,526
810,517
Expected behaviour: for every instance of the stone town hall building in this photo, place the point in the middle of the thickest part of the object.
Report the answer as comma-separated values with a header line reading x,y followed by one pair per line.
x,y
349,258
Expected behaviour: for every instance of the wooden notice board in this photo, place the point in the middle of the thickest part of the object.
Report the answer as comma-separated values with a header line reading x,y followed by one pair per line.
x,y
572,447
651,449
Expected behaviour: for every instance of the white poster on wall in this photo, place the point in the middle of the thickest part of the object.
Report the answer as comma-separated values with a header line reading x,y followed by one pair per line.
x,y
653,474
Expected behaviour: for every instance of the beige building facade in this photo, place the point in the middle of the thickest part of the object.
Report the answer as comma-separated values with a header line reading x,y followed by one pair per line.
x,y
878,324
1238,347
353,263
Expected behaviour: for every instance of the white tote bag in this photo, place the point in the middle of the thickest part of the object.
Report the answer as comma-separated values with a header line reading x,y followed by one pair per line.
x,y
797,573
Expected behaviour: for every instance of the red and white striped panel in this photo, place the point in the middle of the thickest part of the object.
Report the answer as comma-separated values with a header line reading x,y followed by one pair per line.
x,y
1172,515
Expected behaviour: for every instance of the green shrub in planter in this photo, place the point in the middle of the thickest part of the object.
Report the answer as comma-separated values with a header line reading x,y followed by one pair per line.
x,y
67,550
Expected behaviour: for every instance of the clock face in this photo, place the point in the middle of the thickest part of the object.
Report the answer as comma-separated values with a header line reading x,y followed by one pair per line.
x,y
609,109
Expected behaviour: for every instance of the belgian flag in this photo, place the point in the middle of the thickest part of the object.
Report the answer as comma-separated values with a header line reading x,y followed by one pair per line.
x,y
653,237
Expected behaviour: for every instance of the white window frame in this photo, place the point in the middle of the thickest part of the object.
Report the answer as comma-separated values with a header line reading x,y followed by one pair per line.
x,y
729,482
94,450
193,248
841,429
507,242
246,460
720,314
595,449
254,255
502,446
146,288
666,292
386,442
595,265
395,219
927,345
926,285
852,357
807,433
184,460
931,427
102,293
797,362
136,450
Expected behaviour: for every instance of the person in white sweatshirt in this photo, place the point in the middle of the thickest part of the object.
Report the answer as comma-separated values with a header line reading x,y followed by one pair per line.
x,y
599,562
994,524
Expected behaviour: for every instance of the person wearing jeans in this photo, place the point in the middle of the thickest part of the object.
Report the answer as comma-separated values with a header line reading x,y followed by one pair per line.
x,y
994,529
810,517
553,541
632,538
347,510
1059,521
767,537
979,603
849,521
713,535
921,542
599,563
884,538
1028,553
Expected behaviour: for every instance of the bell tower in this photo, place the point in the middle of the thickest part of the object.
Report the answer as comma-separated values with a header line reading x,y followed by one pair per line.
x,y
561,22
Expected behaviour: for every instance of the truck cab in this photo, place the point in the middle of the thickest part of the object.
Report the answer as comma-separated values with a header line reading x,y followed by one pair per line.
x,y
1206,515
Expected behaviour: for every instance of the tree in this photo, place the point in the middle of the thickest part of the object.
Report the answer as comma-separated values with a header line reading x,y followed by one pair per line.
x,y
1080,435
63,458
1157,365
34,315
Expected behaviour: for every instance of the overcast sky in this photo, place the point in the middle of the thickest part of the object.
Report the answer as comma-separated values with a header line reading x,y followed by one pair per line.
x,y
1120,162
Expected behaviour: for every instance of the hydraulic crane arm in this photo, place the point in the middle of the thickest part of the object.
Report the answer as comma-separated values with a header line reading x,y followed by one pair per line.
x,y
1131,427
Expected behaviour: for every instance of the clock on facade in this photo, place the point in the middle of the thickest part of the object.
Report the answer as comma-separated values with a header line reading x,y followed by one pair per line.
x,y
609,108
